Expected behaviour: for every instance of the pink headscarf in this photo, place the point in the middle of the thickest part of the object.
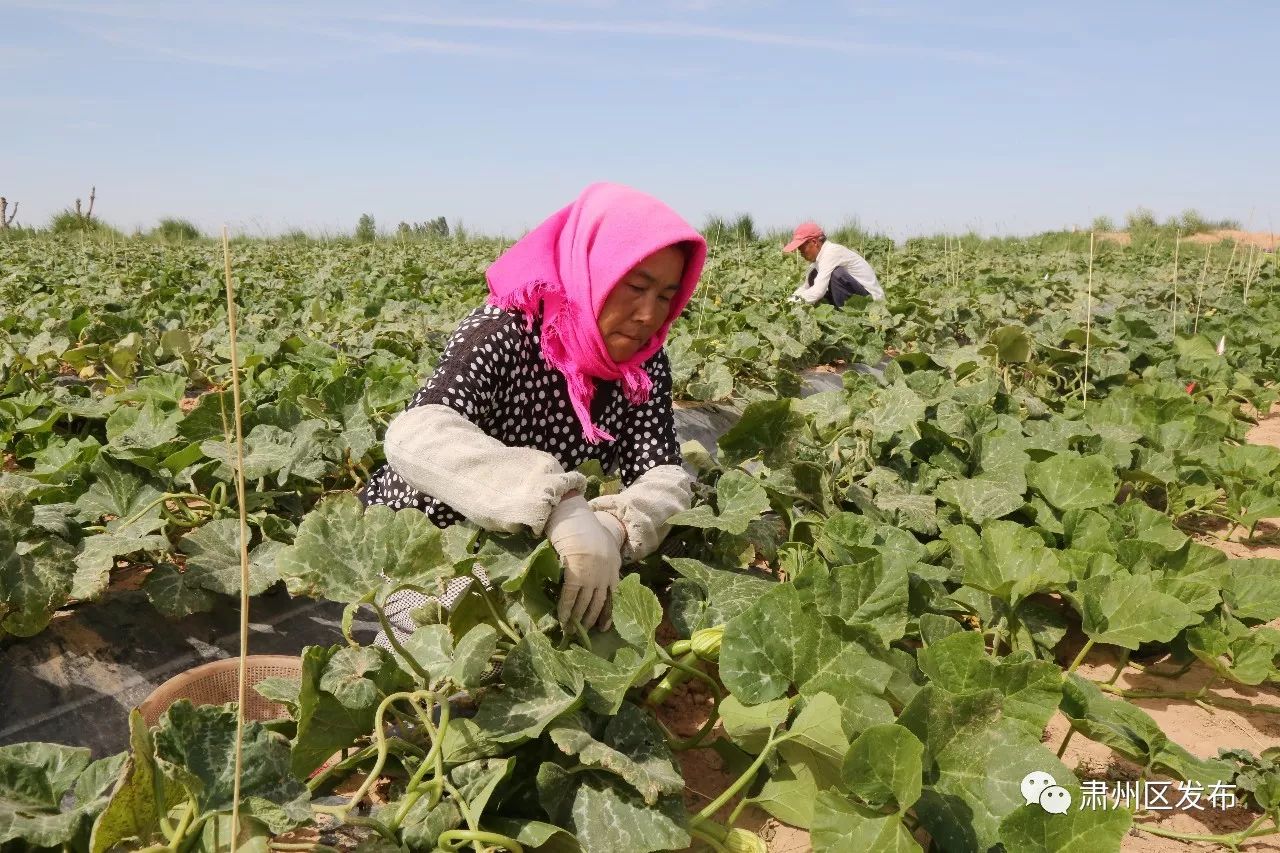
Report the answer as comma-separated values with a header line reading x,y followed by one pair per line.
x,y
570,263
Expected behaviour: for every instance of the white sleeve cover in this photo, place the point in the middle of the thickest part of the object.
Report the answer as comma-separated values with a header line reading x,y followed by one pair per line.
x,y
644,507
436,450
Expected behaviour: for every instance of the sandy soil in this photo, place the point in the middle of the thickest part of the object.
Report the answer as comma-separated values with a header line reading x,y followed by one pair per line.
x,y
1265,240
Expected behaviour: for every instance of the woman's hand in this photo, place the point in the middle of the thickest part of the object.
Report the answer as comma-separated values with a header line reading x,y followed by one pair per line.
x,y
592,559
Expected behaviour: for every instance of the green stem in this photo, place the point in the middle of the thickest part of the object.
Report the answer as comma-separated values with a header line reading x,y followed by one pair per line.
x,y
745,779
380,737
175,843
683,745
1190,696
397,647
434,761
708,840
347,764
1124,661
1152,671
1066,740
1080,657
454,839
691,671
1233,840
502,624
737,811
160,500
673,679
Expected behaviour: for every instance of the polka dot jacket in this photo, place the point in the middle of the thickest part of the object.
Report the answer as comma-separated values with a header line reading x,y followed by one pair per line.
x,y
492,373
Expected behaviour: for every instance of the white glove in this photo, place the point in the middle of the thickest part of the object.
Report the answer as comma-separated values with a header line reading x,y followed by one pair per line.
x,y
592,557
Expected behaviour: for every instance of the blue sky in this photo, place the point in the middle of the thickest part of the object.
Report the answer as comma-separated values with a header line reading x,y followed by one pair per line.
x,y
1005,117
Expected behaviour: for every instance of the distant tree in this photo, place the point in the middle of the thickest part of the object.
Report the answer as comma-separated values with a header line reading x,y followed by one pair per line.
x,y
176,230
1103,224
431,228
7,221
744,228
1140,219
366,229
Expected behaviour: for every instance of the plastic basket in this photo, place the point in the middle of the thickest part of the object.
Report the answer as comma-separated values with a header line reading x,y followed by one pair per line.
x,y
218,683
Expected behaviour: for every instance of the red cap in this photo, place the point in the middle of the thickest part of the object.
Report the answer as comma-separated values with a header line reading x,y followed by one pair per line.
x,y
804,231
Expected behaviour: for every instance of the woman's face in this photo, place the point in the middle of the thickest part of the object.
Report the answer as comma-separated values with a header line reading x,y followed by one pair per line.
x,y
640,303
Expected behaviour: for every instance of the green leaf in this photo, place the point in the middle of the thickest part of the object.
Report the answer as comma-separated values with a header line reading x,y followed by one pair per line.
x,y
1074,482
816,735
1130,731
897,408
133,812
471,656
960,664
214,558
540,684
840,826
790,791
1253,590
342,552
977,758
344,676
195,747
211,417
770,428
1034,830
779,641
327,723
138,433
477,780
35,575
1008,561
870,595
422,826
883,767
171,591
272,450
630,746
724,594
34,779
739,498
1127,610
749,725
98,556
606,815
122,490
981,499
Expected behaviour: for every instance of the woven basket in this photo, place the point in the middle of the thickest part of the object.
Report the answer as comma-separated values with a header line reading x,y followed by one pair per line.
x,y
218,683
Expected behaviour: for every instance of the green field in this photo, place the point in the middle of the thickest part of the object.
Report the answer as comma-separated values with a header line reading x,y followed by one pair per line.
x,y
886,589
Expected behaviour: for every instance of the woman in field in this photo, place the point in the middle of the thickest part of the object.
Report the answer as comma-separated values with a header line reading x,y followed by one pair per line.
x,y
563,365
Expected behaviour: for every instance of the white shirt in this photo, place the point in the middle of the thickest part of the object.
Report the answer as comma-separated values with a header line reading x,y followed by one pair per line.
x,y
833,255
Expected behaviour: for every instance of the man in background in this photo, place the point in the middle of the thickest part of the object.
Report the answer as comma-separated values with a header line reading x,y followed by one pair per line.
x,y
835,272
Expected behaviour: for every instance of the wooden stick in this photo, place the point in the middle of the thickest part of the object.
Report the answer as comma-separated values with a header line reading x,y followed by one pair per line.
x,y
1204,274
1088,326
1177,246
244,542
1248,270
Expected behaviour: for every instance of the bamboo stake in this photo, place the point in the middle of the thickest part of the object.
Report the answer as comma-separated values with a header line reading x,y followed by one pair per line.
x,y
1204,275
1249,270
1088,326
244,542
1177,246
